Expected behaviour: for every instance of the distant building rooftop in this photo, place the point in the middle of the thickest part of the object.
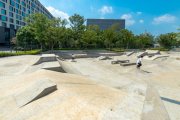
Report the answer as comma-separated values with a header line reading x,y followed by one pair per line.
x,y
106,23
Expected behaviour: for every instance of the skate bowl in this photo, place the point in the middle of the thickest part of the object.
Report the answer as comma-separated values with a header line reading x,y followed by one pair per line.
x,y
35,91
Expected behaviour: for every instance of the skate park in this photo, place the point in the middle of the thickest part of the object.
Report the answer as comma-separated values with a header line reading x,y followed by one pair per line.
x,y
98,85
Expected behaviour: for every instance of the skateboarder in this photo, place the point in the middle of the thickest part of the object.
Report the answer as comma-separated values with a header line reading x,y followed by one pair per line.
x,y
139,62
73,57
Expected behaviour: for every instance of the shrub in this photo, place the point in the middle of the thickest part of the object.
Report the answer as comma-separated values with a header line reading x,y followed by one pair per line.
x,y
32,52
117,50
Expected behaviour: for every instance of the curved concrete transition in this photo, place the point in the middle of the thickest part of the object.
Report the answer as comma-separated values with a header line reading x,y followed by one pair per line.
x,y
38,89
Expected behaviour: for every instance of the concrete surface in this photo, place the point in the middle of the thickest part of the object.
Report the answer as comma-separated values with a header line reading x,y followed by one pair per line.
x,y
95,90
34,91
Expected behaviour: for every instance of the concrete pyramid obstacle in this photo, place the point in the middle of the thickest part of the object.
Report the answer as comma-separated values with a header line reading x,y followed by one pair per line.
x,y
35,91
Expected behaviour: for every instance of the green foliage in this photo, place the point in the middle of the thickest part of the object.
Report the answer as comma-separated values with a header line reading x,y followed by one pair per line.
x,y
25,37
167,40
160,49
32,52
40,23
48,34
118,50
144,40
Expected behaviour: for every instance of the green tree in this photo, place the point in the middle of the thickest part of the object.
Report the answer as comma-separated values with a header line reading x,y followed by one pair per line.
x,y
89,37
77,26
55,32
178,38
40,23
167,40
25,37
144,40
124,38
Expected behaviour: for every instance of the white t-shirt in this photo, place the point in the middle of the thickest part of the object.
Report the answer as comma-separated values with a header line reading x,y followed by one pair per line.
x,y
139,60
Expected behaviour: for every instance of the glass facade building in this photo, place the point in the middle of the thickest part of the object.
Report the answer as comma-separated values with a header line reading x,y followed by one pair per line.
x,y
12,14
106,23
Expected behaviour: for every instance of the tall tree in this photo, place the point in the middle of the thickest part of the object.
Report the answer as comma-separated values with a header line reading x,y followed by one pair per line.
x,y
167,40
145,40
40,23
77,26
25,37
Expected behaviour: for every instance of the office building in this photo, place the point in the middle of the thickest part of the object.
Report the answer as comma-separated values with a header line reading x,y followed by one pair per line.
x,y
12,14
106,23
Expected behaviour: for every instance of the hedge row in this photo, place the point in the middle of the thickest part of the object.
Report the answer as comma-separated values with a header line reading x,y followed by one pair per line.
x,y
32,52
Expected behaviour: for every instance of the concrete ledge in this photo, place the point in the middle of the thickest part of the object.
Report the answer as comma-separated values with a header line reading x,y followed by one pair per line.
x,y
35,91
119,61
127,64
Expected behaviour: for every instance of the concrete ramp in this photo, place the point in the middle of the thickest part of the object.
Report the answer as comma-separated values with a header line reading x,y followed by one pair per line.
x,y
156,57
142,54
46,58
154,108
130,53
119,61
104,58
67,67
152,52
35,91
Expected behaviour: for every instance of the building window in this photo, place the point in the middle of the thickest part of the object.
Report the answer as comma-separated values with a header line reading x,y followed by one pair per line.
x,y
3,18
4,24
12,2
11,14
11,8
2,4
11,20
3,12
11,26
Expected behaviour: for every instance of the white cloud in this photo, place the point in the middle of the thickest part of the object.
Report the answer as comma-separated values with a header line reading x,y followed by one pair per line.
x,y
141,21
57,13
129,19
167,18
106,10
139,13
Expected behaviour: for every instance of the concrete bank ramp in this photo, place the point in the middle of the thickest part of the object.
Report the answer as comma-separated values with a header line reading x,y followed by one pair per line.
x,y
152,52
142,54
154,108
67,67
35,91
104,58
130,53
156,57
46,58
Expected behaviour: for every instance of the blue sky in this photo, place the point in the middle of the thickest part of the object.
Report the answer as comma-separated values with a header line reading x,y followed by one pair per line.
x,y
155,16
